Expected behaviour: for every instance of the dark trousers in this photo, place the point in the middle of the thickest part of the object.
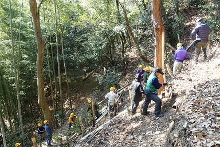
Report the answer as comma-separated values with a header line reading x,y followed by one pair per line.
x,y
49,138
97,114
134,106
156,99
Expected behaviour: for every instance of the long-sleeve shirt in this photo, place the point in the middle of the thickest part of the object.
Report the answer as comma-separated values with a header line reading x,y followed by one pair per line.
x,y
111,96
40,130
48,129
153,83
156,83
136,90
181,54
201,32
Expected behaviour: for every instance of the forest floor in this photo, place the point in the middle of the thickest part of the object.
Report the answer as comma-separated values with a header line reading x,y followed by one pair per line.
x,y
195,122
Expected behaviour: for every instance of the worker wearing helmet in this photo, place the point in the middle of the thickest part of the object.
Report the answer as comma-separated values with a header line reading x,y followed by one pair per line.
x,y
112,97
201,33
71,119
49,132
17,144
146,73
40,130
140,70
136,92
180,55
96,107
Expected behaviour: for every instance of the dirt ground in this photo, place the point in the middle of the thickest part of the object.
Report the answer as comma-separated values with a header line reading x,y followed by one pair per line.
x,y
194,122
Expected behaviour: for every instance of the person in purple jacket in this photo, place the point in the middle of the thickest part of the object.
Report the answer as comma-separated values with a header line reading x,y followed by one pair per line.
x,y
180,55
201,32
141,71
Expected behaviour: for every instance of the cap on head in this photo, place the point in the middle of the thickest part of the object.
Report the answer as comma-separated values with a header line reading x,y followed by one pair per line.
x,y
140,66
147,68
39,125
112,89
46,122
17,144
179,44
159,70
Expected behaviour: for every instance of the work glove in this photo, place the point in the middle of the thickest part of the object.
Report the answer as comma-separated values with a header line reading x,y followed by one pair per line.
x,y
164,84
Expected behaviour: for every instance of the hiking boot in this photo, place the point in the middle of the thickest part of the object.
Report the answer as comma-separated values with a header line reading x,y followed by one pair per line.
x,y
159,115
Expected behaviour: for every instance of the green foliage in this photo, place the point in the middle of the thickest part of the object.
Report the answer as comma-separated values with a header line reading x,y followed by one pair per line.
x,y
111,78
94,36
212,11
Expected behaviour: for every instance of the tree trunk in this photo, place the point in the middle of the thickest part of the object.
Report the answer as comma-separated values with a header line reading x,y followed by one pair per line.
x,y
3,130
54,76
132,35
16,66
159,37
67,80
40,57
130,29
58,60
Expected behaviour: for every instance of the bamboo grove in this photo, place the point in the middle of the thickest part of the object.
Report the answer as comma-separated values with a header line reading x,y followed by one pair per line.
x,y
76,37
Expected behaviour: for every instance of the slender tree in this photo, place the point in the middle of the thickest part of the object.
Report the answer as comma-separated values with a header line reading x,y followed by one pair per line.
x,y
132,35
16,73
58,60
40,58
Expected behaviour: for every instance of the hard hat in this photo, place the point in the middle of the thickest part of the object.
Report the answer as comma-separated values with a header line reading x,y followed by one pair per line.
x,y
45,122
89,100
17,144
112,89
179,44
39,124
71,114
140,66
147,68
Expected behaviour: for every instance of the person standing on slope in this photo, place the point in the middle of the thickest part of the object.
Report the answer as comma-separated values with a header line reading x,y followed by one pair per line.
x,y
136,92
151,93
180,55
112,98
201,32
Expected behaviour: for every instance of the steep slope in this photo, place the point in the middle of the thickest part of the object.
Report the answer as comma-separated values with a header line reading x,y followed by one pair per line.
x,y
195,122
